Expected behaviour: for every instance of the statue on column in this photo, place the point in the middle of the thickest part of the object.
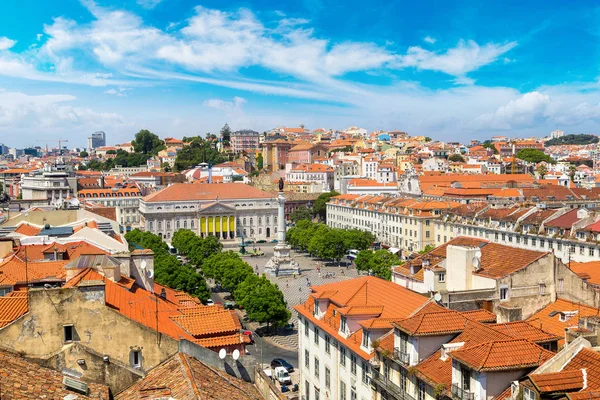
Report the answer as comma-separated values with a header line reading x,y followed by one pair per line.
x,y
281,184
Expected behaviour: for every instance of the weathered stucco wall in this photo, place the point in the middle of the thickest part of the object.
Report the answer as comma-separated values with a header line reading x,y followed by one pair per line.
x,y
39,333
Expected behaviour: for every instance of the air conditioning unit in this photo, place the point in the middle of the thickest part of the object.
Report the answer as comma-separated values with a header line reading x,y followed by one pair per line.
x,y
75,385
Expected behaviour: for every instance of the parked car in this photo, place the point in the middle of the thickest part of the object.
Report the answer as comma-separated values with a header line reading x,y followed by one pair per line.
x,y
261,241
209,302
280,362
283,376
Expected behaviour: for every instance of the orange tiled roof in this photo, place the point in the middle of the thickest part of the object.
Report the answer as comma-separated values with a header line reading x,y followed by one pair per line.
x,y
12,271
207,322
12,306
502,355
24,380
207,191
563,381
433,323
526,330
590,360
480,315
28,230
589,271
184,377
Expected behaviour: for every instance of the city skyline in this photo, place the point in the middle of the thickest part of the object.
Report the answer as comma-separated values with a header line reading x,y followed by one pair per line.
x,y
186,67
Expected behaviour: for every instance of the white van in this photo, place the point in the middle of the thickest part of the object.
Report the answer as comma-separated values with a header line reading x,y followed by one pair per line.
x,y
352,254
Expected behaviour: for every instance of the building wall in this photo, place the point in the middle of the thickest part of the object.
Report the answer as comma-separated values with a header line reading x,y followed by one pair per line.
x,y
39,333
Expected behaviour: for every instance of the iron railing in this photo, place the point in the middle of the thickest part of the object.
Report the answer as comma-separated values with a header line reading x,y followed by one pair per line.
x,y
460,393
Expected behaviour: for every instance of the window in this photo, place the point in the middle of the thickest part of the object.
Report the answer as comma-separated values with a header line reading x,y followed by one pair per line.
x,y
327,377
150,225
525,240
307,390
365,373
542,288
465,378
591,251
559,246
306,328
442,277
317,367
533,242
316,336
561,284
251,221
427,234
365,341
177,224
528,394
403,377
327,344
342,390
421,390
316,308
184,224
306,358
439,238
192,224
386,370
317,394
136,358
353,364
343,356
352,394
68,333
343,325
503,293
427,222
581,250
159,225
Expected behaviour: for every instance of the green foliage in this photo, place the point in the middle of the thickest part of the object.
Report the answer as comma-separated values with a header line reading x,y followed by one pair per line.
x,y
147,143
456,158
226,134
111,152
325,242
301,213
542,171
320,206
83,154
427,249
572,139
378,263
534,155
489,145
427,139
259,162
262,300
197,152
122,158
168,270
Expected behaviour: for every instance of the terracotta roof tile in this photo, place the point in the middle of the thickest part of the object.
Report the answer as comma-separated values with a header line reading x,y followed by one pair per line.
x,y
526,330
12,306
502,355
27,230
206,191
563,381
590,360
480,315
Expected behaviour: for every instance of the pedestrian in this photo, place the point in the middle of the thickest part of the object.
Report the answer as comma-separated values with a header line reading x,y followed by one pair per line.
x,y
299,288
287,285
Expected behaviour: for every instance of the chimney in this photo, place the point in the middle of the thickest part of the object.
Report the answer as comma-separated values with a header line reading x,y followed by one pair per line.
x,y
112,272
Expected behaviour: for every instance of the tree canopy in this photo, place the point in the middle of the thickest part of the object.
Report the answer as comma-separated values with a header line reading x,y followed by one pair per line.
x,y
378,263
226,134
301,213
147,142
456,158
122,158
320,206
534,155
168,270
572,139
197,152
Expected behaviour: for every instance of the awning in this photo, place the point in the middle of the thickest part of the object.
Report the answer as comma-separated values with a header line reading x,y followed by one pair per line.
x,y
393,250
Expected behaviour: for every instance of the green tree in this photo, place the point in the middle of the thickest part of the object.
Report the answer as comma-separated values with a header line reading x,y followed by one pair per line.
x,y
184,240
572,139
259,161
534,156
197,152
301,213
542,171
363,260
320,205
83,154
381,264
456,158
427,139
572,171
488,144
263,301
226,134
427,249
355,239
111,152
146,142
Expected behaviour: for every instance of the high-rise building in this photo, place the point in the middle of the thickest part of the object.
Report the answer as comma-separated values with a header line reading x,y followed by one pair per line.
x,y
98,139
556,134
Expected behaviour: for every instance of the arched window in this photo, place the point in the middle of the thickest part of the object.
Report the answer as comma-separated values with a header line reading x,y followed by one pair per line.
x,y
244,220
192,224
168,225
177,224
184,224
267,220
260,231
150,225
251,221
260,220
159,225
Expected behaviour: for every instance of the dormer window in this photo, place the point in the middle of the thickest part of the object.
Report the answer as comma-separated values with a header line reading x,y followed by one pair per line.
x,y
316,308
365,341
343,324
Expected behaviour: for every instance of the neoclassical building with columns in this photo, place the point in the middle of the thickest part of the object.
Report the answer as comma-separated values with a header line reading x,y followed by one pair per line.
x,y
225,210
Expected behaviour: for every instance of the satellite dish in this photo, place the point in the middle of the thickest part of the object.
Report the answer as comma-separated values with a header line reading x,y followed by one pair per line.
x,y
437,297
478,254
150,274
236,354
476,262
222,353
143,264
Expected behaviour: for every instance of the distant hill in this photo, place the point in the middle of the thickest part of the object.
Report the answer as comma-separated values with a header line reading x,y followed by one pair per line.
x,y
572,139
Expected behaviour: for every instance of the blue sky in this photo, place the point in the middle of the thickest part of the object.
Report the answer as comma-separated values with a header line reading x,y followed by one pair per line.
x,y
449,70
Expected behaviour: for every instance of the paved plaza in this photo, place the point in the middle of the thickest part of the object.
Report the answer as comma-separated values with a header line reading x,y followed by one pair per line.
x,y
296,290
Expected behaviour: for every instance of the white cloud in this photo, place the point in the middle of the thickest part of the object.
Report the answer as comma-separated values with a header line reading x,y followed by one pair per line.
x,y
429,39
463,80
149,4
527,110
39,36
467,56
229,107
121,92
6,43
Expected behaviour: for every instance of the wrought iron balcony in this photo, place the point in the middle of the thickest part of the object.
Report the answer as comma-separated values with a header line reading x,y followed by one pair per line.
x,y
378,379
401,356
460,393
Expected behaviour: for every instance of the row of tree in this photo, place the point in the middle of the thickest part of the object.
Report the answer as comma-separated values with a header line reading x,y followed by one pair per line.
x,y
572,139
198,151
168,270
329,243
262,300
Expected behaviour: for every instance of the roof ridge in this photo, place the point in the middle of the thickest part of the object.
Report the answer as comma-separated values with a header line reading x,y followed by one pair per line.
x,y
186,366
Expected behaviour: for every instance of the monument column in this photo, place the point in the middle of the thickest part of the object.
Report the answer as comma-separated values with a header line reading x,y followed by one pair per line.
x,y
281,218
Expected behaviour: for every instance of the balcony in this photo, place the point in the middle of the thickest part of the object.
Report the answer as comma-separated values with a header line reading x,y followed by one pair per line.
x,y
460,393
401,356
393,389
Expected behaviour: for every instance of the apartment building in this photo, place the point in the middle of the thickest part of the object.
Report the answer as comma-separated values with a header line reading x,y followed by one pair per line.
x,y
125,200
50,186
244,140
339,326
318,175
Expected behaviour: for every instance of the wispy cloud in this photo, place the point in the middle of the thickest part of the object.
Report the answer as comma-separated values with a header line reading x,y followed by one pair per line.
x,y
229,107
6,43
149,4
429,39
